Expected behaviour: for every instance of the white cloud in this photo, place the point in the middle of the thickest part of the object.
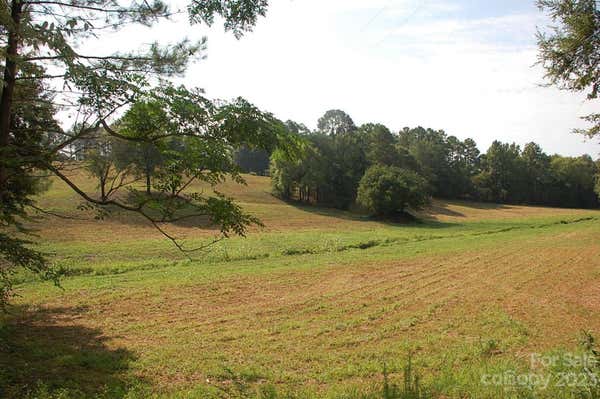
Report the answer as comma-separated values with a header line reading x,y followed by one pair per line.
x,y
402,63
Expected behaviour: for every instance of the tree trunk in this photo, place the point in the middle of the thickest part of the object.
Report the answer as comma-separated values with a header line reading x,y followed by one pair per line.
x,y
10,72
148,182
103,188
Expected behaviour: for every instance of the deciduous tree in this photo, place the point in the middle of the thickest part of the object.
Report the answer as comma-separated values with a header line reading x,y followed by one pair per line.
x,y
387,190
335,122
42,50
570,50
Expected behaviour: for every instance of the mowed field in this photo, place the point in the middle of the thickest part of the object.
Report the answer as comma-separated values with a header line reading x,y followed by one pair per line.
x,y
315,304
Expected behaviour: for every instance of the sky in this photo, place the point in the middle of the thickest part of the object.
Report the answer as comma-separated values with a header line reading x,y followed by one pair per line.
x,y
464,66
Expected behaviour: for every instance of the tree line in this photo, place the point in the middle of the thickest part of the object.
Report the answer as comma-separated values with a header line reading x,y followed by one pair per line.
x,y
338,154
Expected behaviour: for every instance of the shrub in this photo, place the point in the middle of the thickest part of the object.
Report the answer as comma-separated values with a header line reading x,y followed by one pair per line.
x,y
388,190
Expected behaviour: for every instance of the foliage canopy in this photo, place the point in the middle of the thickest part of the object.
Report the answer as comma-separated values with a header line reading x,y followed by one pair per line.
x,y
388,190
570,50
177,135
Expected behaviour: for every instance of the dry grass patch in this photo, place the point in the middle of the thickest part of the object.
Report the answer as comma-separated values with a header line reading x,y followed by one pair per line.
x,y
320,306
255,198
336,324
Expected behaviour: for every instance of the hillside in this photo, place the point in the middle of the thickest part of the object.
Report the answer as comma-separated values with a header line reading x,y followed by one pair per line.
x,y
277,215
314,303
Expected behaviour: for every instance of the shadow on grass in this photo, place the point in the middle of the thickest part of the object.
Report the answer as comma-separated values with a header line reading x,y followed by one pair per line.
x,y
132,219
425,218
411,220
440,208
473,204
443,208
328,211
46,352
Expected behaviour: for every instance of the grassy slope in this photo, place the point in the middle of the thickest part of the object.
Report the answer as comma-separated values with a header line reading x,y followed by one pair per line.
x,y
313,303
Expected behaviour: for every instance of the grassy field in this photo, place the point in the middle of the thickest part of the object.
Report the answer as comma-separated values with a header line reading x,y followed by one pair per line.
x,y
312,305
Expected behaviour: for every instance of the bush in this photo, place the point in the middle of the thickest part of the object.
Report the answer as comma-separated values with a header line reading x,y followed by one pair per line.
x,y
388,190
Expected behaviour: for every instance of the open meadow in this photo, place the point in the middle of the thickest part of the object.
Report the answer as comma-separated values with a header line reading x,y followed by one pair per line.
x,y
317,303
429,227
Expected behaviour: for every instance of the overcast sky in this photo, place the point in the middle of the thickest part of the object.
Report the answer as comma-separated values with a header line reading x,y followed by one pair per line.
x,y
465,66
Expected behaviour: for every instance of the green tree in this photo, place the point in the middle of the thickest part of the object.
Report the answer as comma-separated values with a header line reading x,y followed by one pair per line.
x,y
297,128
332,164
380,145
502,178
144,119
430,150
33,127
348,165
387,191
574,181
597,188
288,170
101,164
463,163
199,141
284,175
331,167
327,173
570,51
41,50
142,158
335,122
307,177
537,171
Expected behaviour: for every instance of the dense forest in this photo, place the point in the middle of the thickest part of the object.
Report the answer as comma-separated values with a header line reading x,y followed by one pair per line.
x,y
338,154
335,158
